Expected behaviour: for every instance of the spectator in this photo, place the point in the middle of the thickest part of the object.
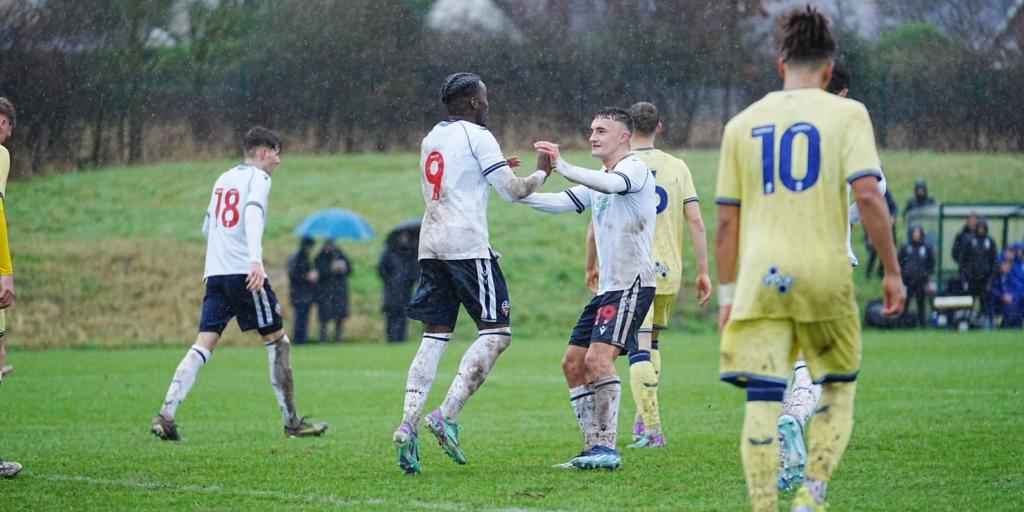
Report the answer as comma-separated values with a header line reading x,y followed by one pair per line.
x,y
964,237
872,253
921,198
1006,296
978,263
332,290
400,269
917,262
302,279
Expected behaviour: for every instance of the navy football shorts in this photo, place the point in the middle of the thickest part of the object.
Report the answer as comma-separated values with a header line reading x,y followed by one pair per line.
x,y
477,284
614,318
227,298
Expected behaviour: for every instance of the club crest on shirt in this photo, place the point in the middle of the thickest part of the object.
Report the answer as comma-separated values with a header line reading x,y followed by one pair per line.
x,y
776,279
505,308
602,204
661,269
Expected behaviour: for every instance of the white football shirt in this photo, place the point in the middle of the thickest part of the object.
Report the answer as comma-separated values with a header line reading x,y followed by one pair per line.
x,y
458,160
623,226
226,250
855,219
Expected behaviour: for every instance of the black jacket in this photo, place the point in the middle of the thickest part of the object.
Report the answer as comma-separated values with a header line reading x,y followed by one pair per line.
x,y
332,288
978,258
400,269
917,262
301,289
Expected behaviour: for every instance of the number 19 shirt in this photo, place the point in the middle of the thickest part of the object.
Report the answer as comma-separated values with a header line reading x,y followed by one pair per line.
x,y
785,162
226,250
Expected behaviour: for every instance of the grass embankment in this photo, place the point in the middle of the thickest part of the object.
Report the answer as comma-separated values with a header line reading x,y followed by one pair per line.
x,y
115,257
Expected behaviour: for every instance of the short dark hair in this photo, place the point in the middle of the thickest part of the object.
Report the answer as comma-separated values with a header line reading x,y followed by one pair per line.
x,y
841,78
616,114
806,36
458,88
7,110
645,117
260,137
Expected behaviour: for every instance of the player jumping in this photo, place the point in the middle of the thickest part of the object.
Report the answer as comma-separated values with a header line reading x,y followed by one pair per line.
x,y
459,161
237,285
623,202
786,282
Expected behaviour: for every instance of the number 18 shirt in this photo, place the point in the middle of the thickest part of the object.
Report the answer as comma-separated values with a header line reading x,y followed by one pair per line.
x,y
785,162
226,249
457,159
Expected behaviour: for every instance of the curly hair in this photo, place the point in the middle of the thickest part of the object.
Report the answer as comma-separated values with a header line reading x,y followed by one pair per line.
x,y
806,36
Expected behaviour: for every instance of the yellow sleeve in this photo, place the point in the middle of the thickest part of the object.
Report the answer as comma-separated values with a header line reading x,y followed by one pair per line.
x,y
5,169
729,190
6,267
689,191
860,156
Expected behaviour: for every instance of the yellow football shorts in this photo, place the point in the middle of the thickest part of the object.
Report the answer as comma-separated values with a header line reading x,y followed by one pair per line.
x,y
765,349
657,317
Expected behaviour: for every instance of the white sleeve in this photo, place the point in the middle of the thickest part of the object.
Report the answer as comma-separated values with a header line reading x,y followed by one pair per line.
x,y
576,198
206,225
604,182
259,191
513,188
255,212
855,211
254,232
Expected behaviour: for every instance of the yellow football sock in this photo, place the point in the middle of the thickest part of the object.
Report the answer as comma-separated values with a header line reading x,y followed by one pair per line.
x,y
644,385
830,430
760,453
656,361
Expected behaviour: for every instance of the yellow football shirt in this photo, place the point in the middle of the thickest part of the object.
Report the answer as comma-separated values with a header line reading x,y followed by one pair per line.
x,y
785,162
674,186
6,267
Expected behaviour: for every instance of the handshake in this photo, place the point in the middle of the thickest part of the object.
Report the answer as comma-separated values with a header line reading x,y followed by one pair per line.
x,y
547,153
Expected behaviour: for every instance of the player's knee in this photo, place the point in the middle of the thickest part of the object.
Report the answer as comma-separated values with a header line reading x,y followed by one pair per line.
x,y
499,338
598,363
760,391
573,366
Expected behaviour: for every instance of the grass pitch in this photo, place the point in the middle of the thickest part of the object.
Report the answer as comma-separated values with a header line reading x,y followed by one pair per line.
x,y
938,428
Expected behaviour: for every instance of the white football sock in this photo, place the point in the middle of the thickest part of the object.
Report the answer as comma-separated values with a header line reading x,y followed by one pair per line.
x,y
802,396
607,393
421,376
279,358
184,378
473,370
582,400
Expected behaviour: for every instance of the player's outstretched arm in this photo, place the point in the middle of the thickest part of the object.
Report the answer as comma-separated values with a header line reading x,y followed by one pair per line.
x,y
575,199
604,182
699,240
513,188
727,243
874,214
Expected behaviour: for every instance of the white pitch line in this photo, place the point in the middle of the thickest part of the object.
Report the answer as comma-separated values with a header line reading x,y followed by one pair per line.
x,y
218,490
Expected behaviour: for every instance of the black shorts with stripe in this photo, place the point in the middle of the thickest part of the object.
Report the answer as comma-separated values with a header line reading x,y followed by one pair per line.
x,y
614,318
477,284
227,298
